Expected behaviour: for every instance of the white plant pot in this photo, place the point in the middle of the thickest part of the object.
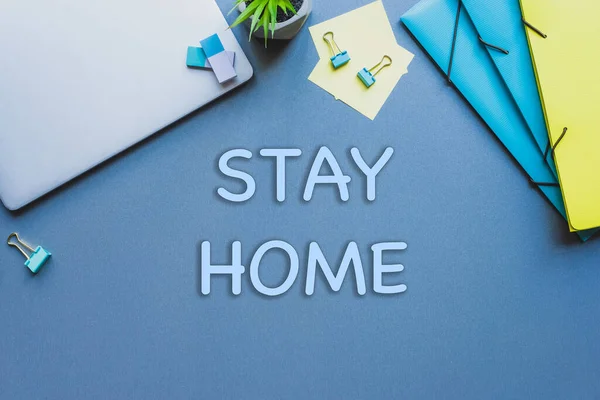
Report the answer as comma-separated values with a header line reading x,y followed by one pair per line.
x,y
283,30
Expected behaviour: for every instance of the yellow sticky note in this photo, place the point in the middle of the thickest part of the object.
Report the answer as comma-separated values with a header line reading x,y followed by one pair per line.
x,y
567,65
367,36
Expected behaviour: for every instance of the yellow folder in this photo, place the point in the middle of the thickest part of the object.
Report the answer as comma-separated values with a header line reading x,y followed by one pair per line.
x,y
564,38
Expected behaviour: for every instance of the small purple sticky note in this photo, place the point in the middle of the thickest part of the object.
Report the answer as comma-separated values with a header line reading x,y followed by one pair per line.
x,y
230,57
218,58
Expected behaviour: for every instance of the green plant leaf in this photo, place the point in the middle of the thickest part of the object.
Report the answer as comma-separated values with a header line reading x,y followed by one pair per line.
x,y
289,6
257,17
286,6
266,28
236,5
246,14
281,4
273,10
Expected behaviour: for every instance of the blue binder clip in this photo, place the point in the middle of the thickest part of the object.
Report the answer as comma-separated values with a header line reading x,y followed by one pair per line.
x,y
36,259
339,57
367,76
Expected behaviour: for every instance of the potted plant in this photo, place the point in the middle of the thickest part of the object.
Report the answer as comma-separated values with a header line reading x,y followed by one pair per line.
x,y
281,18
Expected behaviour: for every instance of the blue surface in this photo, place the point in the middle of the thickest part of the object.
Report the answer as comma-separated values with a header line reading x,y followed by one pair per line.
x,y
502,302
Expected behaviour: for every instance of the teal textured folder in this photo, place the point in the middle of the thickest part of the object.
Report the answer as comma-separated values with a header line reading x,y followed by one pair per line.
x,y
447,33
499,23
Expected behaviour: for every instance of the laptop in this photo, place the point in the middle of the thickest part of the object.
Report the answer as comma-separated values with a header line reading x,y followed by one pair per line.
x,y
81,81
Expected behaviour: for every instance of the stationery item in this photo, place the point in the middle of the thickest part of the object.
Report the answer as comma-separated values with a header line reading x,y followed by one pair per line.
x,y
338,57
564,38
109,79
368,34
218,59
367,76
446,32
499,26
36,259
196,58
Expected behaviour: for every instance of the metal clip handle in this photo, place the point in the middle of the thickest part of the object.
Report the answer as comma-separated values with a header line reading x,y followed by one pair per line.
x,y
18,244
328,38
533,28
381,65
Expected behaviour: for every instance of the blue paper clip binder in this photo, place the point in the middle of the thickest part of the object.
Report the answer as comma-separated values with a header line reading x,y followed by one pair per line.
x,y
338,57
36,259
367,76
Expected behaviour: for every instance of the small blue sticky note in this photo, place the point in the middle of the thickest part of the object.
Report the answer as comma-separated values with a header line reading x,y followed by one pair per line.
x,y
212,45
366,77
37,259
340,59
196,58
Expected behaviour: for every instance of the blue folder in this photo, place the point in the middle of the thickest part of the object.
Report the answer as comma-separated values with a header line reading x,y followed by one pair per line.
x,y
447,33
500,23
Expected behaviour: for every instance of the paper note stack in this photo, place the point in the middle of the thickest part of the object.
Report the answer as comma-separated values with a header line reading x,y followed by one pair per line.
x,y
528,69
363,46
213,56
